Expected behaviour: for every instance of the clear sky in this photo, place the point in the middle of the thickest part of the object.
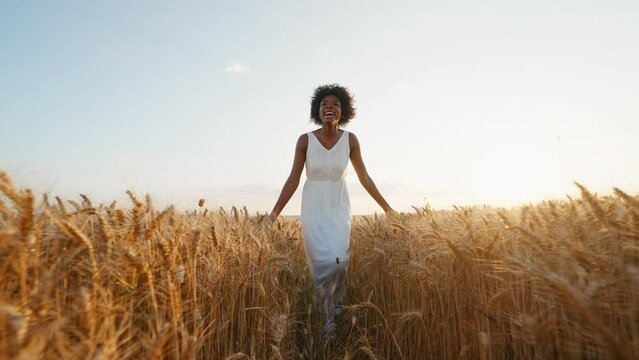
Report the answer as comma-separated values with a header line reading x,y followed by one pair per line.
x,y
459,102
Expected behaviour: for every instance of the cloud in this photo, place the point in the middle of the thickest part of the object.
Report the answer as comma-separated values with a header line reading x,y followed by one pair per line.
x,y
401,86
235,66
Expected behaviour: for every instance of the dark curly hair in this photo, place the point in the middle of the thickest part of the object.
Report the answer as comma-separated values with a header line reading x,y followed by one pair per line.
x,y
345,98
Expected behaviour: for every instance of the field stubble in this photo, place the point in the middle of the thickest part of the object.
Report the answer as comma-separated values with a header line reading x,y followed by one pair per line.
x,y
559,279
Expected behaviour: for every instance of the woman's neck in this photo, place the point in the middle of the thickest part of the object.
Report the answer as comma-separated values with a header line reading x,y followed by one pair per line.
x,y
330,129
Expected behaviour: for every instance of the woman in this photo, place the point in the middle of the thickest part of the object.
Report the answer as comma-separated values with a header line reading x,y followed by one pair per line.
x,y
326,210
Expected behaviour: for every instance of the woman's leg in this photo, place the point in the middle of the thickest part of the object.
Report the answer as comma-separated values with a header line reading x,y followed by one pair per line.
x,y
329,282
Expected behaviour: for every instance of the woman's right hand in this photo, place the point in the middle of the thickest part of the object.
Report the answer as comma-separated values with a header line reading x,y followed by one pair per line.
x,y
271,218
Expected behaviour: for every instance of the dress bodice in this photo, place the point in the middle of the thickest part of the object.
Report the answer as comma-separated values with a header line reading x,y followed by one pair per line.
x,y
327,165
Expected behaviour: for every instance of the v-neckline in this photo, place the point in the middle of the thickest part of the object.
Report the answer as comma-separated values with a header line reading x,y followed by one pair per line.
x,y
334,145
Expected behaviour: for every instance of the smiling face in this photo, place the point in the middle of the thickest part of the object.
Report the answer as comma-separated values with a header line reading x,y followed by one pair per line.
x,y
330,109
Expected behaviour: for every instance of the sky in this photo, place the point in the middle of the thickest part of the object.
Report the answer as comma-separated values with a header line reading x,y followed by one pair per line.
x,y
458,102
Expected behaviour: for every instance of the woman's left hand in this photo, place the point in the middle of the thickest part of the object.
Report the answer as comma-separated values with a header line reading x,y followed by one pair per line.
x,y
390,212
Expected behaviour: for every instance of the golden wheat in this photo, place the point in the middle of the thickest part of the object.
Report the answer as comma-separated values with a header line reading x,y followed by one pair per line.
x,y
559,279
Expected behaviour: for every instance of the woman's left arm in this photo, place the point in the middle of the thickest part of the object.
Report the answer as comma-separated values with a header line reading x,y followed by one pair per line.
x,y
362,174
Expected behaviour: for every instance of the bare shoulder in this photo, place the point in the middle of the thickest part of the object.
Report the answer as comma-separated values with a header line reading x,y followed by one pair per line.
x,y
302,142
352,140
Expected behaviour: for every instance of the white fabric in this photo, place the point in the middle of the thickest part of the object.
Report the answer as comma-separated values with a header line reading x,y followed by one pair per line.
x,y
326,221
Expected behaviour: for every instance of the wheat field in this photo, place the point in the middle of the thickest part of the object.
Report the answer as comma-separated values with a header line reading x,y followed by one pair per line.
x,y
558,279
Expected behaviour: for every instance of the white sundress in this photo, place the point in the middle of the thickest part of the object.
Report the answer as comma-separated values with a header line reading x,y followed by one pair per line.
x,y
326,221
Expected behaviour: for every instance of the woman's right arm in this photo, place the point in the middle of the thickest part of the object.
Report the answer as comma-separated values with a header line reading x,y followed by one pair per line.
x,y
294,177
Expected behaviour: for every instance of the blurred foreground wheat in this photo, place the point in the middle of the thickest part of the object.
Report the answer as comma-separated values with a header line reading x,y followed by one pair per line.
x,y
554,280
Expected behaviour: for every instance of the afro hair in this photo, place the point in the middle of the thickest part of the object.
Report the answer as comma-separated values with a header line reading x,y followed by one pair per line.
x,y
345,98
